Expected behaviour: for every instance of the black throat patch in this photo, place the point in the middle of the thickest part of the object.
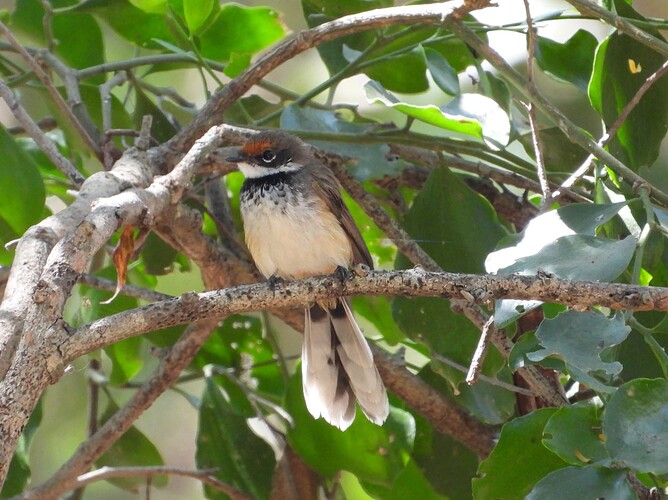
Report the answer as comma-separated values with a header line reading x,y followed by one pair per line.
x,y
274,184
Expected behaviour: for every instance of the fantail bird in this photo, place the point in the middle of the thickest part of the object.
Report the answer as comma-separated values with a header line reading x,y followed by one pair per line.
x,y
296,226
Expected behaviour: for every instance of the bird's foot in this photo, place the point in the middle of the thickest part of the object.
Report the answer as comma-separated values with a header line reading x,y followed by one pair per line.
x,y
342,273
274,280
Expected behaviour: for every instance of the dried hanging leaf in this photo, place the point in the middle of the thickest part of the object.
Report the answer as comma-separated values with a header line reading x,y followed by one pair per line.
x,y
121,258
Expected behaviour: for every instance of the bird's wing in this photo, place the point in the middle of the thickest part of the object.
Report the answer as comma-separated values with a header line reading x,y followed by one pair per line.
x,y
329,190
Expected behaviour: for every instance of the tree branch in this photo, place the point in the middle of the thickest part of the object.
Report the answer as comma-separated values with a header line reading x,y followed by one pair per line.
x,y
411,283
286,50
104,473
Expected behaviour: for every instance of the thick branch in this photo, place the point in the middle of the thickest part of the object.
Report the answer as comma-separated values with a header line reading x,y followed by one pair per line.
x,y
411,283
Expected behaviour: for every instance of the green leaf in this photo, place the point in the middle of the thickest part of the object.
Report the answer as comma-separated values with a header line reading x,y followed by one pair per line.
x,y
410,80
241,30
518,461
439,220
574,482
621,67
559,153
19,472
443,74
580,338
152,6
574,433
411,483
445,462
571,61
158,257
317,12
133,449
21,188
635,425
560,242
197,12
226,443
139,27
378,311
68,29
372,161
373,453
470,114
240,344
126,359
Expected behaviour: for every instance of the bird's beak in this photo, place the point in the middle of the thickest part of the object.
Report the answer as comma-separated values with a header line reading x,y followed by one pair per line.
x,y
236,156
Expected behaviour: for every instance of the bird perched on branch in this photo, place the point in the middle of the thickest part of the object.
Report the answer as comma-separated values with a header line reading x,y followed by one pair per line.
x,y
296,226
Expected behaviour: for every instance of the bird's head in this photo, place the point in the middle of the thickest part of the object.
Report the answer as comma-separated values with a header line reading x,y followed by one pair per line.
x,y
269,153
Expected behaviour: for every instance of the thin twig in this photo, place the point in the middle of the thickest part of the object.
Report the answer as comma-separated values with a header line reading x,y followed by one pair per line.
x,y
572,131
205,476
531,111
128,290
50,87
177,359
612,131
626,26
490,380
37,135
480,353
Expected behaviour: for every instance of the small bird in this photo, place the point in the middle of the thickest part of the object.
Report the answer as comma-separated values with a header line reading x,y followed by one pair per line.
x,y
296,226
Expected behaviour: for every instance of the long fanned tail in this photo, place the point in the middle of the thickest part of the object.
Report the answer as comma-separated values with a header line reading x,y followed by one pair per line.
x,y
338,368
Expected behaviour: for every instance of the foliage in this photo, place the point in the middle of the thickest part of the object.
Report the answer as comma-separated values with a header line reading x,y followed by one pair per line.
x,y
613,364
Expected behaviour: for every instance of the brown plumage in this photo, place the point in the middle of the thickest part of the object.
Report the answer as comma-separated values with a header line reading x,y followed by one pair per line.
x,y
297,225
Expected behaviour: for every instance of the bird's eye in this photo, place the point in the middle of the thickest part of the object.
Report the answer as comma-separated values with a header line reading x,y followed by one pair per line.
x,y
268,156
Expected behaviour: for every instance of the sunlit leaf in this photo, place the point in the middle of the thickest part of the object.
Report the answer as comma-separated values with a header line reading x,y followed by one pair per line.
x,y
197,12
470,114
241,30
561,243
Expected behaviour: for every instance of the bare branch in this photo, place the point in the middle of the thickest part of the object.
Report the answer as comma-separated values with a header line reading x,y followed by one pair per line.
x,y
40,138
104,473
572,131
282,52
48,84
412,283
176,360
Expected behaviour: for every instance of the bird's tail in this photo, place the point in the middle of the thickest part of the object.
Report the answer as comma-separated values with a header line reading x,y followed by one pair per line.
x,y
338,368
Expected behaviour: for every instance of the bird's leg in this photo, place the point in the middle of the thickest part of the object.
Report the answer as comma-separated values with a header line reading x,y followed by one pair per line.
x,y
274,280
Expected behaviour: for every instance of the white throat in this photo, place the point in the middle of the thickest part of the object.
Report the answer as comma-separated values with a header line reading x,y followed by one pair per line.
x,y
253,171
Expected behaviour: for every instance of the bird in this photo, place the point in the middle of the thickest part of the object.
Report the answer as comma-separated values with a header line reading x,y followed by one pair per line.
x,y
297,225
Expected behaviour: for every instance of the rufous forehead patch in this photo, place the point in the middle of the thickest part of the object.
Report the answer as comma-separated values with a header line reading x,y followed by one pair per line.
x,y
254,148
